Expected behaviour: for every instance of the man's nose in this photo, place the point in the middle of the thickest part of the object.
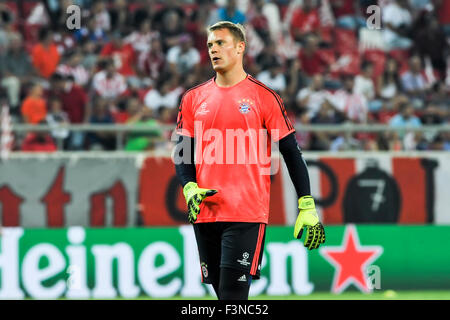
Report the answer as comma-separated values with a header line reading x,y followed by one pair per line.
x,y
213,48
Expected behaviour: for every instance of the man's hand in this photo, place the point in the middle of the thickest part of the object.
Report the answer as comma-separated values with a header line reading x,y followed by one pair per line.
x,y
194,196
307,217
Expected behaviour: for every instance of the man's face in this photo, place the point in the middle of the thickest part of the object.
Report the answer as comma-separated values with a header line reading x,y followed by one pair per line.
x,y
416,65
317,82
224,51
349,83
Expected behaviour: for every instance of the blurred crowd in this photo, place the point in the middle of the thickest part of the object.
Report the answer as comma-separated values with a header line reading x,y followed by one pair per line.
x,y
129,62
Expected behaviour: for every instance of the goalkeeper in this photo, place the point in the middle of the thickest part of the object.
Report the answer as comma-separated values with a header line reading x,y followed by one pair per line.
x,y
228,200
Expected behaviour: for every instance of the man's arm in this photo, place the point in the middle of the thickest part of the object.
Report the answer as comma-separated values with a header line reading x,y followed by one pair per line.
x,y
184,160
185,170
307,217
296,165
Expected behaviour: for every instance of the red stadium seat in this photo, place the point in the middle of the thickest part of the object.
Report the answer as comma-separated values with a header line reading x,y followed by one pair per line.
x,y
402,57
353,67
326,34
345,41
328,55
378,58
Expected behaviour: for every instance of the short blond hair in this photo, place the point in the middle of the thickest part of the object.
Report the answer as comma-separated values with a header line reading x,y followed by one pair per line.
x,y
237,30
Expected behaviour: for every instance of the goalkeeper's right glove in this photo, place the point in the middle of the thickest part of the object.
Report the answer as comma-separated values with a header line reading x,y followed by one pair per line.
x,y
307,217
194,196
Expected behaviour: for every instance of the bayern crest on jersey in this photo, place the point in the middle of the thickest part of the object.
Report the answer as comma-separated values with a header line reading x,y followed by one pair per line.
x,y
245,105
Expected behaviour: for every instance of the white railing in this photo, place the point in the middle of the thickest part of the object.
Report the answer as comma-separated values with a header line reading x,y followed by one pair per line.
x,y
121,129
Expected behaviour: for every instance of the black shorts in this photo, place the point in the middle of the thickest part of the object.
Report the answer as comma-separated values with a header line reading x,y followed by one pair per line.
x,y
237,245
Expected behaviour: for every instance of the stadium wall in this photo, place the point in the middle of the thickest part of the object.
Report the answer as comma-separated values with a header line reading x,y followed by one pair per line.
x,y
126,190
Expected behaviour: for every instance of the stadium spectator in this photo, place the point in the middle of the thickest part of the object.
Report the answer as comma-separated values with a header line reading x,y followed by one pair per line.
x,y
34,107
430,43
305,21
152,64
89,57
170,22
101,15
108,83
56,12
442,8
274,78
38,142
75,104
92,33
388,83
57,119
73,98
120,17
144,11
310,60
141,116
440,97
6,27
325,115
404,118
347,14
312,97
184,59
45,55
364,82
196,27
141,39
73,66
258,20
268,56
15,66
413,80
303,137
431,114
101,140
229,12
65,41
121,53
163,95
397,20
349,102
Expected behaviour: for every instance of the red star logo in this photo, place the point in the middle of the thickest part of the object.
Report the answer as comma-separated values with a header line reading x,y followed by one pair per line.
x,y
351,261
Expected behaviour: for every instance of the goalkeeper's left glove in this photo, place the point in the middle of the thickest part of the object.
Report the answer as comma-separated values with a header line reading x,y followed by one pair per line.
x,y
307,218
194,196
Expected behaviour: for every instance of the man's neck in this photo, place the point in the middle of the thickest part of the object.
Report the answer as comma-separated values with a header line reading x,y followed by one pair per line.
x,y
230,78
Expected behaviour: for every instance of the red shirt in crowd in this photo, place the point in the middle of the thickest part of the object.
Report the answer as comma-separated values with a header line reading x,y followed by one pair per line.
x,y
312,64
74,103
124,57
304,22
44,59
444,12
35,142
346,9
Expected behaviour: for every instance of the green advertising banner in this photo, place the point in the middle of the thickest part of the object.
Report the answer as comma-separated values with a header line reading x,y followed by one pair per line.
x,y
163,262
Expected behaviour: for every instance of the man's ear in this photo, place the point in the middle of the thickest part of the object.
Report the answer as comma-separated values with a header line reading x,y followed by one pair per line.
x,y
241,47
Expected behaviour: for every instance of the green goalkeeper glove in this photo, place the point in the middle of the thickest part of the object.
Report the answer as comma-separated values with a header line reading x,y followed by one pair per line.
x,y
307,218
194,196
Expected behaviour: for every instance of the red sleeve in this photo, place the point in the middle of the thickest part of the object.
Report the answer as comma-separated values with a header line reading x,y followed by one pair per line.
x,y
106,50
185,118
276,120
316,23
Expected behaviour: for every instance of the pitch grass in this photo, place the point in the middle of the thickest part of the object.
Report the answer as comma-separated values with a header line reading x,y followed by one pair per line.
x,y
376,295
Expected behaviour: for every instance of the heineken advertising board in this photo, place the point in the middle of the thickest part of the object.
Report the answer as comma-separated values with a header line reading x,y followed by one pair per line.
x,y
163,262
